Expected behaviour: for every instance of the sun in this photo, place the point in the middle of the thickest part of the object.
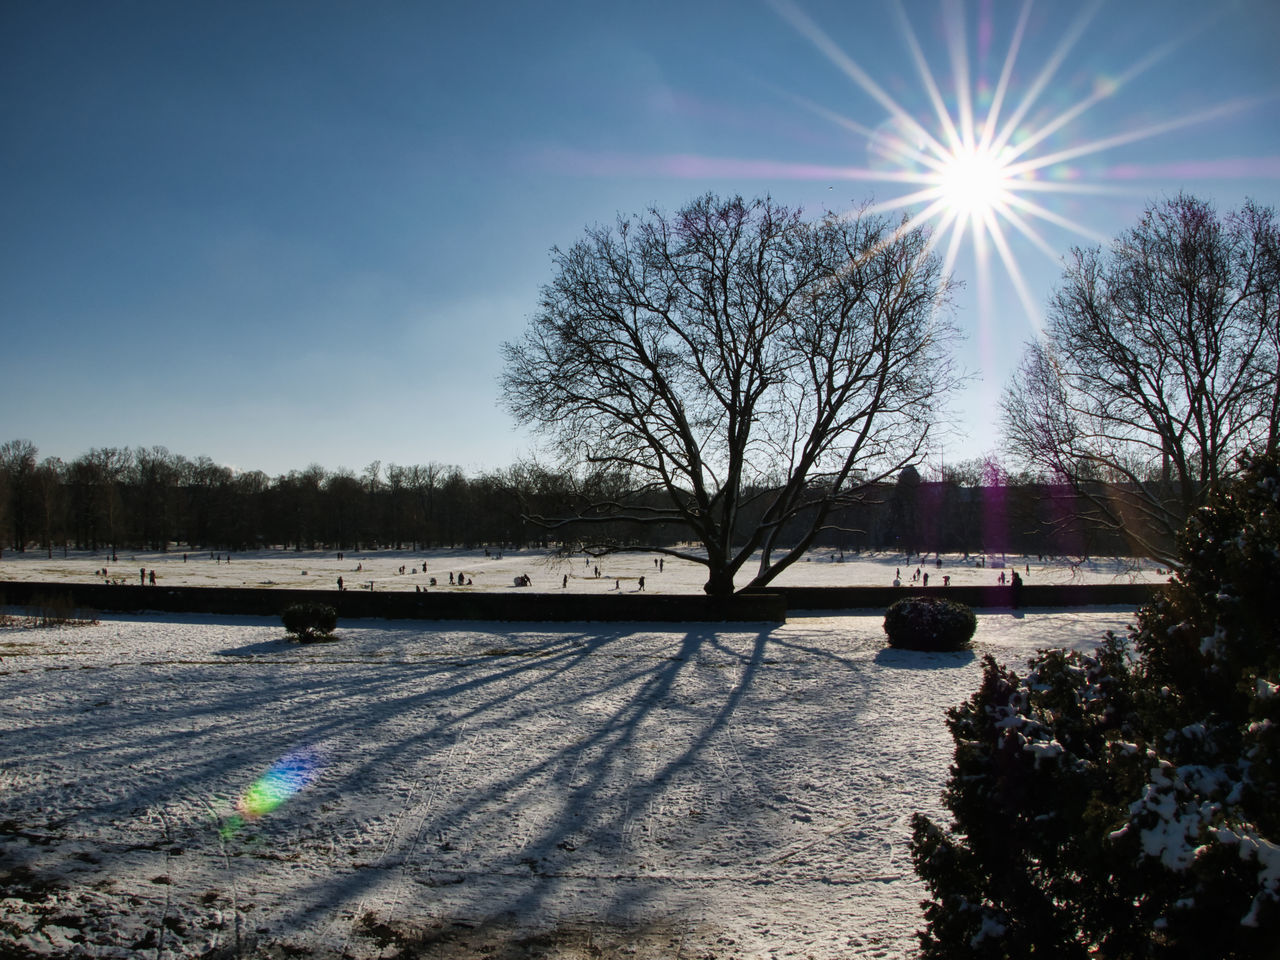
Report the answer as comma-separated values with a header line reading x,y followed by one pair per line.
x,y
989,159
974,182
979,161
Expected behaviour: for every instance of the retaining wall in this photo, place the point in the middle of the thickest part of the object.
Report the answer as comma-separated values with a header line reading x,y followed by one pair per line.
x,y
769,605
1033,595
441,605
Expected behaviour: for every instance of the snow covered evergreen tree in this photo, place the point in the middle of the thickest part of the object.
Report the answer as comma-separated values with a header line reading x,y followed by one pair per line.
x,y
1126,803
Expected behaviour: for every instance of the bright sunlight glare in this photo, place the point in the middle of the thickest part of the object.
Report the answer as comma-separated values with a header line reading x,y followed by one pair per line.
x,y
973,181
984,163
976,164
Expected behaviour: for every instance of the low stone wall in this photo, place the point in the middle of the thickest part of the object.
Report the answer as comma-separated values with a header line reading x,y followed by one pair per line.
x,y
402,605
1033,595
770,605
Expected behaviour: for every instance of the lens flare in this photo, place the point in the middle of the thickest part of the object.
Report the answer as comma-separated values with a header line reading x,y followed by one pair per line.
x,y
288,776
969,166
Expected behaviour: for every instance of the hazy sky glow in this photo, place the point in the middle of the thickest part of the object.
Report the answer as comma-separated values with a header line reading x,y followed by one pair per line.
x,y
285,233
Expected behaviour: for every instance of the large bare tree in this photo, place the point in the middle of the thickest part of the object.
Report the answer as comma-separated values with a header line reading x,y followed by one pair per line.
x,y
736,371
1160,364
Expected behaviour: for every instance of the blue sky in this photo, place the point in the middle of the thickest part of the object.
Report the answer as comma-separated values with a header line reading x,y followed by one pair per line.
x,y
284,233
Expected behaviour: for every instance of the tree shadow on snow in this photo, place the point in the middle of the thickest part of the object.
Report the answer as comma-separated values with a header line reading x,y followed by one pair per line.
x,y
523,762
897,659
275,645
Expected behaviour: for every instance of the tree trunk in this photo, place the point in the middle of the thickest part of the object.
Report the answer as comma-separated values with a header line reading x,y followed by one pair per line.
x,y
719,584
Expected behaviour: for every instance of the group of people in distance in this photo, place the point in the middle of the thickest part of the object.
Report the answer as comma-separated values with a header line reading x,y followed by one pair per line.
x,y
1014,580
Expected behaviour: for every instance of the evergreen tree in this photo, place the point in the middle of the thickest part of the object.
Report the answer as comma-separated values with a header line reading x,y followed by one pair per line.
x,y
1126,803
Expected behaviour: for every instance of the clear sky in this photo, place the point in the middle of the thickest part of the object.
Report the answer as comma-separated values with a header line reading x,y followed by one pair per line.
x,y
283,233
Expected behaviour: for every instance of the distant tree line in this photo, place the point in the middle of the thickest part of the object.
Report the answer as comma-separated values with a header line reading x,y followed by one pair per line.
x,y
149,498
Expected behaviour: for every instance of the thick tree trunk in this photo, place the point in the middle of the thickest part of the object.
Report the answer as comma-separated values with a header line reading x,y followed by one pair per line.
x,y
719,584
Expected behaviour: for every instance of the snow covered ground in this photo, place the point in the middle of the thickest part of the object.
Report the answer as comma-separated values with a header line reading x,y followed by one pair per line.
x,y
174,786
320,570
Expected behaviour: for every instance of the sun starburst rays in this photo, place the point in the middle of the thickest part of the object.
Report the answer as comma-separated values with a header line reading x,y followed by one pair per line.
x,y
972,167
973,160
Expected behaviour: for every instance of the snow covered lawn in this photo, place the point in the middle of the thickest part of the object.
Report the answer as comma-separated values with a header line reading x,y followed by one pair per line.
x,y
566,790
489,571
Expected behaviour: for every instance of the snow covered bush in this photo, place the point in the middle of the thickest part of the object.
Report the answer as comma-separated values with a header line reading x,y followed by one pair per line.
x,y
310,622
1126,803
929,623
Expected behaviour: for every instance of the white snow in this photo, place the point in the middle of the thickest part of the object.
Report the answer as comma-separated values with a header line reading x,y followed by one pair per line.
x,y
693,790
320,570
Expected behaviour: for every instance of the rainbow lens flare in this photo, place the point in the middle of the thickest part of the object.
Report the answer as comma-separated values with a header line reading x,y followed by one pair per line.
x,y
289,775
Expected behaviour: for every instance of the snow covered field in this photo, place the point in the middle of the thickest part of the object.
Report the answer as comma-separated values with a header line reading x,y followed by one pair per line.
x,y
173,786
320,570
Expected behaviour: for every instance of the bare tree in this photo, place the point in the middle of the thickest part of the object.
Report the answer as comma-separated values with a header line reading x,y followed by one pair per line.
x,y
18,468
49,484
155,476
1159,366
735,360
107,470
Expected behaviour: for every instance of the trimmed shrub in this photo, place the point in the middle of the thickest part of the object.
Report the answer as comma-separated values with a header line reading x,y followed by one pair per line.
x,y
310,622
929,623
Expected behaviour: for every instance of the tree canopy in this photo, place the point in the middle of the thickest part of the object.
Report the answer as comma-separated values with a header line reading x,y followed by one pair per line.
x,y
1159,367
732,360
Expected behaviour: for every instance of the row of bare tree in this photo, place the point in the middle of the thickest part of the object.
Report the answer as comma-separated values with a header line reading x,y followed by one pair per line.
x,y
149,498
735,359
736,378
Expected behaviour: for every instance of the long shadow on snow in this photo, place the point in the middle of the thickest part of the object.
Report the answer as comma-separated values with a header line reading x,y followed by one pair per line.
x,y
611,738
924,659
416,710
